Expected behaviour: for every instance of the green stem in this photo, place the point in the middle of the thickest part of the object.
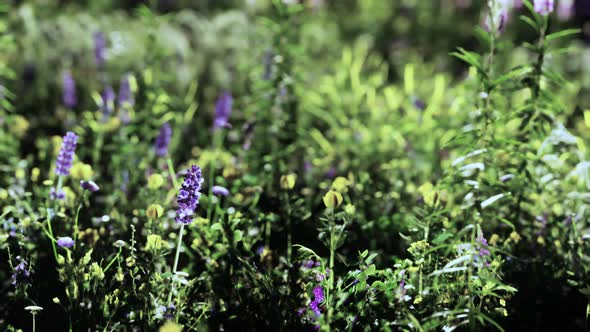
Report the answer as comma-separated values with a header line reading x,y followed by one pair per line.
x,y
113,260
33,322
216,142
175,266
75,235
331,267
172,173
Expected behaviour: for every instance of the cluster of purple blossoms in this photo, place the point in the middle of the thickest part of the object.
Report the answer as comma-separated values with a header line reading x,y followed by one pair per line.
x,y
188,197
544,7
310,263
66,154
223,109
482,246
100,45
163,140
69,90
20,273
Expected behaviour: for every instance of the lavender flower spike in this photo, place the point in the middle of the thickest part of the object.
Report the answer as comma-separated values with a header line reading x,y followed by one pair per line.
x,y
65,242
163,140
223,109
69,90
188,196
100,45
544,7
66,154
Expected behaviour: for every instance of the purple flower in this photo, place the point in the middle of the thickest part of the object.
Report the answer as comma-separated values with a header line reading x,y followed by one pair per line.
x,y
223,109
498,20
66,154
300,311
188,196
125,97
315,308
65,242
100,45
56,195
318,293
331,173
544,7
107,97
308,264
220,191
482,244
20,273
89,185
565,9
69,90
163,140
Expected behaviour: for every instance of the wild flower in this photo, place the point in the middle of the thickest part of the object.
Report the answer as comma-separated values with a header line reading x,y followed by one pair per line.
x,y
107,97
482,245
69,90
66,154
223,108
65,242
55,194
100,44
89,185
188,196
21,273
125,96
565,9
220,191
544,7
497,18
163,140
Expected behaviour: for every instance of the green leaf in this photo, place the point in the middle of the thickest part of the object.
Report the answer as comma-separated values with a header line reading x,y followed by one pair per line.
x,y
370,258
561,34
530,22
238,235
379,285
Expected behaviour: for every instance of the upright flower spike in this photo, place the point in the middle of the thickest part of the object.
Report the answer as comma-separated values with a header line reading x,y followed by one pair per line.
x,y
223,109
544,7
69,90
107,97
100,45
66,154
125,96
188,196
163,140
